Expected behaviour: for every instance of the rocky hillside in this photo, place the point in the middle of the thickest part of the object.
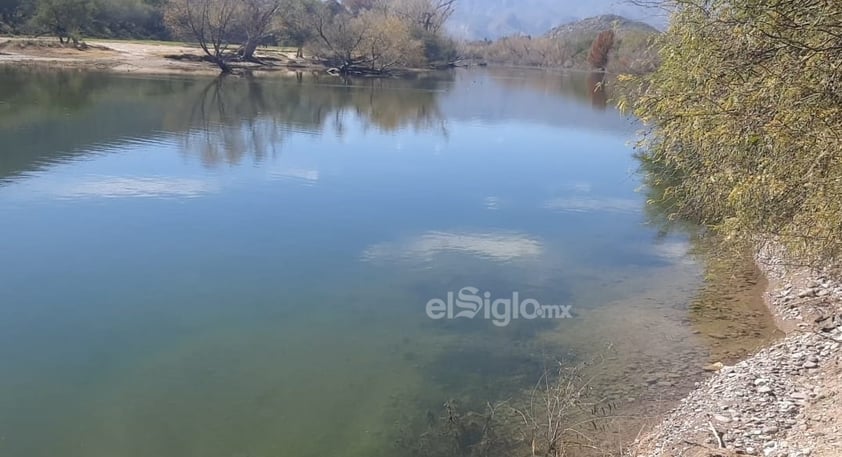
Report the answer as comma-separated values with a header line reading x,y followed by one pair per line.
x,y
590,27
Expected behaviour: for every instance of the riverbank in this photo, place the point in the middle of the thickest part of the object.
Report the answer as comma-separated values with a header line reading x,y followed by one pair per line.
x,y
782,401
139,57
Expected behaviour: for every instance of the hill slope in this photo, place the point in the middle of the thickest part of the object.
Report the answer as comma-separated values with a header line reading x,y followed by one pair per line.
x,y
568,46
479,19
590,27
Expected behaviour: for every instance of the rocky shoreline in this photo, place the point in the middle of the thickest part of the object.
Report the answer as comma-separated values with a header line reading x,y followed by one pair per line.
x,y
783,401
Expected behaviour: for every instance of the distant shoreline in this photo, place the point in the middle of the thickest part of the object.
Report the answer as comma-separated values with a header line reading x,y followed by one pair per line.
x,y
139,57
163,58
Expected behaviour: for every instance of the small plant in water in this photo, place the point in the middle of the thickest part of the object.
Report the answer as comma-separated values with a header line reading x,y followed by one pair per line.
x,y
557,418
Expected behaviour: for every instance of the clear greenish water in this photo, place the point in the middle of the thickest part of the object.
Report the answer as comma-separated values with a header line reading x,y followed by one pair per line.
x,y
240,267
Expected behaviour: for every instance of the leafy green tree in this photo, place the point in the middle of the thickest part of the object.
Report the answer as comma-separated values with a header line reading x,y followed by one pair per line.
x,y
130,19
66,19
10,14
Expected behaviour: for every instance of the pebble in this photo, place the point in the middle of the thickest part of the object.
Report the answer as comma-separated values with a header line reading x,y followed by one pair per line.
x,y
721,418
757,403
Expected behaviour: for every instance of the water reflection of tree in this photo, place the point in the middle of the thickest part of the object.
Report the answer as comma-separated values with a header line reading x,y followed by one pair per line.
x,y
228,119
42,116
76,113
224,124
575,85
596,87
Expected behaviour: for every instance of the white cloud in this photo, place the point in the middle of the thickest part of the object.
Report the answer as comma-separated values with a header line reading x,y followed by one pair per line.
x,y
674,251
492,203
494,246
120,187
310,176
581,187
594,204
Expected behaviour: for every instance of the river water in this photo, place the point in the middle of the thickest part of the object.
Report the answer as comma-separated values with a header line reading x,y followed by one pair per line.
x,y
244,266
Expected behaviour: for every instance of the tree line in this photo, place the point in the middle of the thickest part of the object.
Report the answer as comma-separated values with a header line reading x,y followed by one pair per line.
x,y
351,36
70,19
744,116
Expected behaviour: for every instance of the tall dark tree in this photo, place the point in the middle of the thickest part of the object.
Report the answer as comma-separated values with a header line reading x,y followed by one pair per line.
x,y
598,58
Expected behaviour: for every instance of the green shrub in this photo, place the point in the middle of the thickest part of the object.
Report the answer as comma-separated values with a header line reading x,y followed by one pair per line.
x,y
745,121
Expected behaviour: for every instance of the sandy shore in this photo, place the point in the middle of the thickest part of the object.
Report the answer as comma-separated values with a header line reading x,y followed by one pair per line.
x,y
783,401
131,57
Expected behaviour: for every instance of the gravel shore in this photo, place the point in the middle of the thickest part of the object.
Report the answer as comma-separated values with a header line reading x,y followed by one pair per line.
x,y
783,401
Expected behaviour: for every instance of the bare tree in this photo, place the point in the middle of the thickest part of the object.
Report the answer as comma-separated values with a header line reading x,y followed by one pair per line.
x,y
388,42
257,19
356,6
429,15
339,39
296,21
209,22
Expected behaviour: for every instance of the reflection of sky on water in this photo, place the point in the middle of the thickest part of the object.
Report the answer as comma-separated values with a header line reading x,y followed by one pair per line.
x,y
424,247
310,176
594,204
117,187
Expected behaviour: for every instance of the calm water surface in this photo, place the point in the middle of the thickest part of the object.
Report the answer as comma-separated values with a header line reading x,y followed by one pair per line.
x,y
240,267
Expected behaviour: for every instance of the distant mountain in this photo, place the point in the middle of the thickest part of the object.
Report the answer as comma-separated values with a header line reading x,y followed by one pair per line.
x,y
478,19
632,39
590,27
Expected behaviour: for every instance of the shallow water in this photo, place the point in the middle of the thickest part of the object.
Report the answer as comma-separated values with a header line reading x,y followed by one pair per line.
x,y
241,267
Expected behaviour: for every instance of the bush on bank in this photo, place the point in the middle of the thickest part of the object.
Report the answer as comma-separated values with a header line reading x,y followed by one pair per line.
x,y
744,121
